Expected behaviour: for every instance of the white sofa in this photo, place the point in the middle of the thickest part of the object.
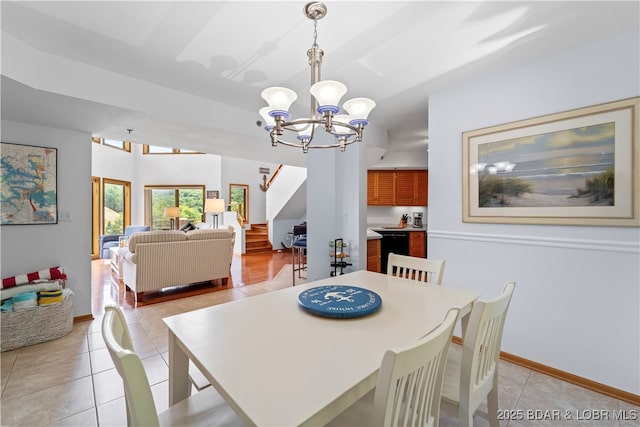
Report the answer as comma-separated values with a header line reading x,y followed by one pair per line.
x,y
159,259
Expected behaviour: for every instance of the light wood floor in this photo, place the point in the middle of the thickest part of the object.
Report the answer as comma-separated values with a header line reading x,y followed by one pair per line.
x,y
245,270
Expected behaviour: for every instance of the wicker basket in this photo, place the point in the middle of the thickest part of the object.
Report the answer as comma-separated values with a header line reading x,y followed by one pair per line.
x,y
38,324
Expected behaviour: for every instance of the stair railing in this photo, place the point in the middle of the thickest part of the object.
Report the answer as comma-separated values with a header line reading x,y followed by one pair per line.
x,y
266,183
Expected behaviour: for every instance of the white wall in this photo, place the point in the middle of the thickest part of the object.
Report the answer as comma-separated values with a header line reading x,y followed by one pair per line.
x,y
212,171
337,201
241,171
401,160
109,162
160,169
576,304
28,248
286,203
323,207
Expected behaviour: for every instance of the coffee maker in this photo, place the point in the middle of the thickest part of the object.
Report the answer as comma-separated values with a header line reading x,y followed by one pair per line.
x,y
417,219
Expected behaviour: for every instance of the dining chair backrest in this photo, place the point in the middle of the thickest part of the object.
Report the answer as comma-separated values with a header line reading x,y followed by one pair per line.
x,y
474,377
141,408
421,269
410,379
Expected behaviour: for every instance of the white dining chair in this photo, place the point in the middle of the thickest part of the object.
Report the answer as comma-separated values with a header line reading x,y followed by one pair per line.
x,y
205,408
407,391
421,269
472,375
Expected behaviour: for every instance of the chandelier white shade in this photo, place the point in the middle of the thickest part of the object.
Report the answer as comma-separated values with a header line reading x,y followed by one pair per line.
x,y
328,94
325,96
279,99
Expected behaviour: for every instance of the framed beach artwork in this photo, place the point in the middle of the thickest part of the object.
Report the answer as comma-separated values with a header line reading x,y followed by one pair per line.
x,y
579,167
28,185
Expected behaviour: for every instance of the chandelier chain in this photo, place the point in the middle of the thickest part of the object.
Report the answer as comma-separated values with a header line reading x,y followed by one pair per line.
x,y
315,32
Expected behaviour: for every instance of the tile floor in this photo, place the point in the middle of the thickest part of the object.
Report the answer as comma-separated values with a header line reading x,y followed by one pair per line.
x,y
71,381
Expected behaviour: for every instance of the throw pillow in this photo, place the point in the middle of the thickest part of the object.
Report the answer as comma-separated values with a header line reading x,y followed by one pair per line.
x,y
188,227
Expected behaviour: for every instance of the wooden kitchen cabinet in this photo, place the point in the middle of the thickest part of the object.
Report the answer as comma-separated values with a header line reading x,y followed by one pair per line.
x,y
411,187
417,244
373,255
381,188
397,188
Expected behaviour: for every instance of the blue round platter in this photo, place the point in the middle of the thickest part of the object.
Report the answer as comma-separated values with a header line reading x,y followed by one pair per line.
x,y
339,301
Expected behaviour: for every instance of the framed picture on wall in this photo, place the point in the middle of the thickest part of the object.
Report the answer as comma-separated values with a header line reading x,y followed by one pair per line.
x,y
579,167
28,185
213,194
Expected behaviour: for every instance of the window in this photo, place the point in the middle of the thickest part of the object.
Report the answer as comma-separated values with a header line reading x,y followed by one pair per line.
x,y
154,149
95,217
190,199
121,145
239,200
116,206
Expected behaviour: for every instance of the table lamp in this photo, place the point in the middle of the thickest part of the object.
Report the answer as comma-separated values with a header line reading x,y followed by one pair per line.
x,y
215,207
172,213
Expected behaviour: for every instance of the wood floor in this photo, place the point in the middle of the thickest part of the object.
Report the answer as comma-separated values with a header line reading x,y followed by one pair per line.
x,y
245,270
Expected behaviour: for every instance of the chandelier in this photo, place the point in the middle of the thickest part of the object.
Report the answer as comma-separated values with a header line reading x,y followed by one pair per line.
x,y
325,96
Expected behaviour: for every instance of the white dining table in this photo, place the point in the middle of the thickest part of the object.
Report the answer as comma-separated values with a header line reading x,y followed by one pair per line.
x,y
276,364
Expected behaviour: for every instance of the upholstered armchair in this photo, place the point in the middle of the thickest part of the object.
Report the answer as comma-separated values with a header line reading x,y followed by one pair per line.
x,y
113,240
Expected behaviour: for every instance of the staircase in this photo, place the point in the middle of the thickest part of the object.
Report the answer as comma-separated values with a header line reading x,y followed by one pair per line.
x,y
257,239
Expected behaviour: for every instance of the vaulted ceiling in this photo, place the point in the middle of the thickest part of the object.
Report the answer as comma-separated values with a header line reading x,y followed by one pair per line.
x,y
189,74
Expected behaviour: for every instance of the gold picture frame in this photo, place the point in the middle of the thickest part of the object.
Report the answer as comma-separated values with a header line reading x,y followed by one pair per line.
x,y
578,167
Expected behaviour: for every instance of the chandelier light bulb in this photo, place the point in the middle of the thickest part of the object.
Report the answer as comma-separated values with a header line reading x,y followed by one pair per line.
x,y
279,100
328,94
304,129
269,121
359,109
341,130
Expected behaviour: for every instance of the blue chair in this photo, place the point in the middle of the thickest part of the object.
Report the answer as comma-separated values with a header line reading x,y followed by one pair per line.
x,y
113,240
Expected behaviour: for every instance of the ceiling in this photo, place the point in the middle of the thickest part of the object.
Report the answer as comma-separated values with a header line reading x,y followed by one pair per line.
x,y
189,74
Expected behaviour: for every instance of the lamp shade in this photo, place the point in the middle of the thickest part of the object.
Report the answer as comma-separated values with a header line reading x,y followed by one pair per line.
x,y
359,109
304,129
269,121
342,118
172,212
328,94
279,100
214,205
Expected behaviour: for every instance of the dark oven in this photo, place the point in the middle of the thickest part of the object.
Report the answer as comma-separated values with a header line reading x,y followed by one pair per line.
x,y
393,241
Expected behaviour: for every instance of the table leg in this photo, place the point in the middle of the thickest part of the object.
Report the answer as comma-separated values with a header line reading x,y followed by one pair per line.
x,y
465,314
178,372
464,322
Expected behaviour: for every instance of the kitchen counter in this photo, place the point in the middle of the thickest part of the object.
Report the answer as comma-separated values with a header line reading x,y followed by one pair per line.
x,y
376,228
371,235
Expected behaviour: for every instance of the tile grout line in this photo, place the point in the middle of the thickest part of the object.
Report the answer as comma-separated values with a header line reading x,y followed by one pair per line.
x,y
93,383
515,404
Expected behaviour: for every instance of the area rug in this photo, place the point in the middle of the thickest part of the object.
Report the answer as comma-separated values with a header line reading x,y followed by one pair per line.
x,y
283,279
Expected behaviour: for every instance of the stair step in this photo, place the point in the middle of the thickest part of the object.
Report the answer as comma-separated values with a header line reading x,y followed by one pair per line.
x,y
259,249
257,239
256,235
